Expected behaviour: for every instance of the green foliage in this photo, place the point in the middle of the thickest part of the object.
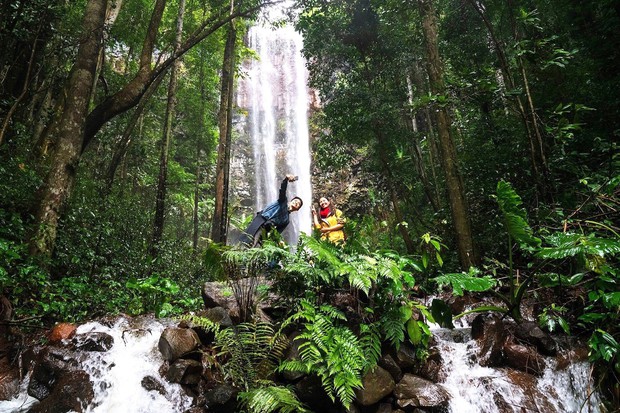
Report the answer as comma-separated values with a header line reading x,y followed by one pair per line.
x,y
585,247
156,292
252,352
272,399
469,281
515,219
329,350
552,319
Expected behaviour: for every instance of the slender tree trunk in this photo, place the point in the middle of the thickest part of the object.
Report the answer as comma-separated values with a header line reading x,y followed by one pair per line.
x,y
200,139
220,213
22,95
125,141
454,185
162,186
416,152
69,131
528,116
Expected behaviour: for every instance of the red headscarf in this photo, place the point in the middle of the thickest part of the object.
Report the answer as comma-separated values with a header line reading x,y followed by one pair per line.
x,y
325,212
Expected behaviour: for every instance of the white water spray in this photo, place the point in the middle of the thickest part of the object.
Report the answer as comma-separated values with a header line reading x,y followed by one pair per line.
x,y
117,374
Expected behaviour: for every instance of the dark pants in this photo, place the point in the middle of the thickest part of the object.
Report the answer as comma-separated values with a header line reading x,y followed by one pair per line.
x,y
252,235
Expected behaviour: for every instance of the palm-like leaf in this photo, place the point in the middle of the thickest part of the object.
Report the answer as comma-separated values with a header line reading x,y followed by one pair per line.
x,y
571,245
466,281
515,218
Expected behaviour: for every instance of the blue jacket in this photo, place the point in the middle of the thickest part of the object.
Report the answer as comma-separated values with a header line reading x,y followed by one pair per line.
x,y
277,212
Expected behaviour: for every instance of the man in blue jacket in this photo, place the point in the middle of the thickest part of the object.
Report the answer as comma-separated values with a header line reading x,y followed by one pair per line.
x,y
274,215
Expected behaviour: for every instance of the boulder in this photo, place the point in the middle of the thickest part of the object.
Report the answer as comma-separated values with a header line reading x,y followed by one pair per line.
x,y
222,399
388,363
431,367
376,384
413,391
217,294
310,392
150,383
69,393
49,364
405,356
175,342
184,371
61,331
219,315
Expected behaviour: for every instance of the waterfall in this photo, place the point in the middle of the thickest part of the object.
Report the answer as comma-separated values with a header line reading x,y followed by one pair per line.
x,y
274,93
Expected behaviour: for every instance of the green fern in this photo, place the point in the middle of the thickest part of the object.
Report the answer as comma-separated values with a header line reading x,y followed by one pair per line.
x,y
272,399
252,351
332,352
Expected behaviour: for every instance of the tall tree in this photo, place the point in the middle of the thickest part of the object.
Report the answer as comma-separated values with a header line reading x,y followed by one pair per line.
x,y
60,180
220,214
68,129
454,183
160,201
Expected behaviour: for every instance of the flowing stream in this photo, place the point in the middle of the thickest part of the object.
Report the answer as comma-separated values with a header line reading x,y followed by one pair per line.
x,y
275,94
118,377
477,389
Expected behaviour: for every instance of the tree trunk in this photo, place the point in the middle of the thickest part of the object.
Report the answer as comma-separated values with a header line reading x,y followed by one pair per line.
x,y
125,141
199,150
454,185
68,131
536,147
416,152
220,213
162,187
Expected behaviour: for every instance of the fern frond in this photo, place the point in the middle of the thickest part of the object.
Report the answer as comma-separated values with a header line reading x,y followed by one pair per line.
x,y
272,399
370,341
393,326
202,322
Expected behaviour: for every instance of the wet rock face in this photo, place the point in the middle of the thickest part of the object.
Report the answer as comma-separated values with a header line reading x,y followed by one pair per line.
x,y
68,392
523,358
531,333
9,381
413,391
490,333
94,341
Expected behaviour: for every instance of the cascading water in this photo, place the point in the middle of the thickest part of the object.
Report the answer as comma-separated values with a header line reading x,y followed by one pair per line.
x,y
477,389
275,95
118,374
121,375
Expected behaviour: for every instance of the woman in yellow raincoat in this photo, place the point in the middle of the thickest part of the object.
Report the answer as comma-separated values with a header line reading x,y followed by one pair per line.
x,y
329,221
